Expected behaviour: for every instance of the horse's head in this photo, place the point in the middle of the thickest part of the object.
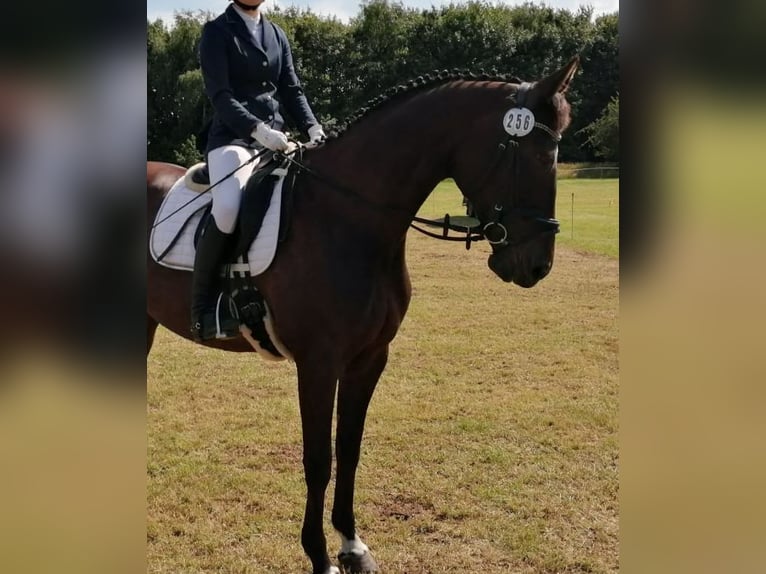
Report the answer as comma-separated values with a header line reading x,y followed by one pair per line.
x,y
506,166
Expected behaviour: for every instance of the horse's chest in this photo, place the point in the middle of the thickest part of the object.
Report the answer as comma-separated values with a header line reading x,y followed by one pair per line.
x,y
375,304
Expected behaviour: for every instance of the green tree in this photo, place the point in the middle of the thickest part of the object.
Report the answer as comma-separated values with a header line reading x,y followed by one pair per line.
x,y
187,153
156,46
175,98
604,134
343,65
598,83
380,56
474,37
322,49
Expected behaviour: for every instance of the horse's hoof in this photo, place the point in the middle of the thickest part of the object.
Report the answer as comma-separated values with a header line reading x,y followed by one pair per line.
x,y
351,563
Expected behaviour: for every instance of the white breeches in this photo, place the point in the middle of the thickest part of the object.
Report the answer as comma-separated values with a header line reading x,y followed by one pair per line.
x,y
227,195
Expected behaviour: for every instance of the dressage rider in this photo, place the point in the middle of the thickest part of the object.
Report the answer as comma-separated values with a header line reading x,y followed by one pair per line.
x,y
248,71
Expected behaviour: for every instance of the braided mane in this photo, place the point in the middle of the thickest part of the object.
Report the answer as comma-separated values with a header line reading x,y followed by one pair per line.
x,y
421,82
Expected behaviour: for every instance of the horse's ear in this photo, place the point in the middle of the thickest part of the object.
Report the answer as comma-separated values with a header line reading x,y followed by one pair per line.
x,y
558,82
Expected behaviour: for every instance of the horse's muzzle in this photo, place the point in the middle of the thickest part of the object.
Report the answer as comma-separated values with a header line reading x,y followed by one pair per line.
x,y
503,268
521,276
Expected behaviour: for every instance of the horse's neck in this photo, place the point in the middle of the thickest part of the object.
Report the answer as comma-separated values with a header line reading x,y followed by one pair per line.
x,y
397,155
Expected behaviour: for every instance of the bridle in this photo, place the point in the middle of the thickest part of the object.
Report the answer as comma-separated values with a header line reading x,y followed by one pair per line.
x,y
494,231
495,227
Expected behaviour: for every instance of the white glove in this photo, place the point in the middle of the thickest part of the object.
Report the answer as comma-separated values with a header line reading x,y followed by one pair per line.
x,y
316,134
269,138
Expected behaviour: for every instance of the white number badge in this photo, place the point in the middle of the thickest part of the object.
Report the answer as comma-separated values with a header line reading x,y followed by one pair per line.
x,y
519,121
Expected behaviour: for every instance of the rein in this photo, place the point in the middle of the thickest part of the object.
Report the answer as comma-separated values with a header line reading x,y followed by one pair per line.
x,y
471,231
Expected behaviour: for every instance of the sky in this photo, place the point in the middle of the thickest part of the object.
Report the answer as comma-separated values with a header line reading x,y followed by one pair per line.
x,y
345,9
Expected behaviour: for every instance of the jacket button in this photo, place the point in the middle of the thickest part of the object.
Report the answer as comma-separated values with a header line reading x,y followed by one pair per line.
x,y
265,64
264,83
271,117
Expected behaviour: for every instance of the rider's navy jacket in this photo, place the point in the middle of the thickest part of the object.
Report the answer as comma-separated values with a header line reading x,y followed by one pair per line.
x,y
246,82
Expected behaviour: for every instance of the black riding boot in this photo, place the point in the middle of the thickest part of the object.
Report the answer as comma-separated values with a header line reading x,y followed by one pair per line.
x,y
212,315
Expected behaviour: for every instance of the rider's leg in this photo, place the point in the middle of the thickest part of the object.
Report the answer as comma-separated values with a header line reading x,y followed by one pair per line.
x,y
215,237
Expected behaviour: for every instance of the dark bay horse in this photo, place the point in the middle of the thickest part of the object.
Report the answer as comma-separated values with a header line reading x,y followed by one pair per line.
x,y
339,287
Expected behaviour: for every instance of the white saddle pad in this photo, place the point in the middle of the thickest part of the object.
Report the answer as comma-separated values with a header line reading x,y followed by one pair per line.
x,y
176,233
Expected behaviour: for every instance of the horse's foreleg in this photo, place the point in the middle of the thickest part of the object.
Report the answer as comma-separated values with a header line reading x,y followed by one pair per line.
x,y
356,387
316,389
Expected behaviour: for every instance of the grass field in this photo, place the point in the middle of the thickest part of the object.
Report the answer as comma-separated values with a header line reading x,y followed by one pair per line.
x,y
491,442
